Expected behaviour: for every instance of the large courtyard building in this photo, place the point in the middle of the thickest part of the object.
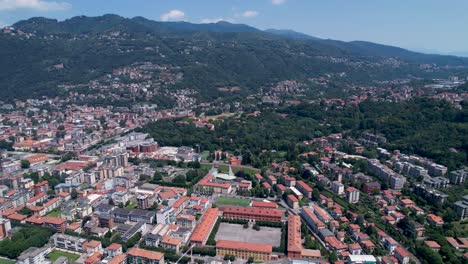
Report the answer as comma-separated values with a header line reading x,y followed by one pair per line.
x,y
252,213
242,250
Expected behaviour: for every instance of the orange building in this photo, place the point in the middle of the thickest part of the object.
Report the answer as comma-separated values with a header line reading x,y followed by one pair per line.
x,y
203,230
37,158
294,237
252,213
260,204
242,250
138,255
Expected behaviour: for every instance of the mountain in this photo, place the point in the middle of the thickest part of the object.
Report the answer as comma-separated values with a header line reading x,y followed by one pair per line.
x,y
290,34
209,56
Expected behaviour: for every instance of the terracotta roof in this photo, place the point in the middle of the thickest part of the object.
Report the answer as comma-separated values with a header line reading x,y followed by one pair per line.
x,y
185,217
170,240
264,204
94,258
207,181
93,243
74,226
51,202
244,246
258,211
402,252
54,220
281,187
313,217
432,244
203,230
435,218
304,186
180,201
320,211
335,243
294,233
118,259
63,194
292,198
114,246
16,216
138,252
37,197
354,246
368,244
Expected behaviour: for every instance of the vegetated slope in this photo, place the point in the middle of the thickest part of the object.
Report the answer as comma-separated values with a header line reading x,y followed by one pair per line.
x,y
210,55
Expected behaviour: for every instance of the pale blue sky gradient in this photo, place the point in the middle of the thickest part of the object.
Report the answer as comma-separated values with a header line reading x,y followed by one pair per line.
x,y
424,25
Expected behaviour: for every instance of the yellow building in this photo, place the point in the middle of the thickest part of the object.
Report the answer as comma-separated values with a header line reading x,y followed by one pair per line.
x,y
242,250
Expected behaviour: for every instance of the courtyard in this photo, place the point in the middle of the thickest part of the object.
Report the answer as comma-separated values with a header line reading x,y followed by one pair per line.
x,y
236,232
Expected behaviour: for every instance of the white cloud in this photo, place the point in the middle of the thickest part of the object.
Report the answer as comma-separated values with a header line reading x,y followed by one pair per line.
x,y
278,2
173,15
38,5
250,13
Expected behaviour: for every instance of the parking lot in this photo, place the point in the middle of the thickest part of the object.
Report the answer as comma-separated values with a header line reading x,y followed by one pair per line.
x,y
236,232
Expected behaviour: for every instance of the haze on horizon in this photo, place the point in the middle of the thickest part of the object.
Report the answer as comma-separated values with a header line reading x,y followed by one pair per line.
x,y
429,26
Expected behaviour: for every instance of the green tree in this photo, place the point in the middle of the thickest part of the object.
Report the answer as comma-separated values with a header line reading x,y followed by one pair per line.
x,y
25,164
74,194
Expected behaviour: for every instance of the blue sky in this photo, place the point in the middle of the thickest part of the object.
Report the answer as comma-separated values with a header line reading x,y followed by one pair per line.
x,y
423,25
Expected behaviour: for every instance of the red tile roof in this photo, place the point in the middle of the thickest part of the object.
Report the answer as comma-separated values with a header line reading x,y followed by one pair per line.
x,y
138,252
264,204
203,230
304,186
258,211
402,252
432,244
118,259
294,233
244,246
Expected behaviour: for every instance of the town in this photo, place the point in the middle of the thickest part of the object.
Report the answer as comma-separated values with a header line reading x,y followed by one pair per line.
x,y
125,140
106,194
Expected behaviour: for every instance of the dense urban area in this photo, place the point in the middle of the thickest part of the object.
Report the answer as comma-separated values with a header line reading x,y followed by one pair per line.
x,y
137,164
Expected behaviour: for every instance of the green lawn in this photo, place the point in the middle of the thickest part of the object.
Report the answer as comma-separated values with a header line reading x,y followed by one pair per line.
x,y
54,213
205,155
55,254
232,201
131,206
6,261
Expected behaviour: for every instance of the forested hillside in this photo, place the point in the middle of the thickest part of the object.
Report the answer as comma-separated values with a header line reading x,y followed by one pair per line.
x,y
425,127
209,55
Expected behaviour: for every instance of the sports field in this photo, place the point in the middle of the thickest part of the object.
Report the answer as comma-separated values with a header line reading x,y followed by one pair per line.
x,y
232,201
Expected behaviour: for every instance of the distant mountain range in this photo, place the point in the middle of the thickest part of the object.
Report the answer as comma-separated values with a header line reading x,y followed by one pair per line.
x,y
220,54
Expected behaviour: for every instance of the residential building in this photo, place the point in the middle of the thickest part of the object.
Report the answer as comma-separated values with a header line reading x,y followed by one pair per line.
x,y
165,216
461,208
138,256
337,188
352,195
361,259
67,242
113,250
458,177
311,219
370,187
5,227
402,255
34,255
292,201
